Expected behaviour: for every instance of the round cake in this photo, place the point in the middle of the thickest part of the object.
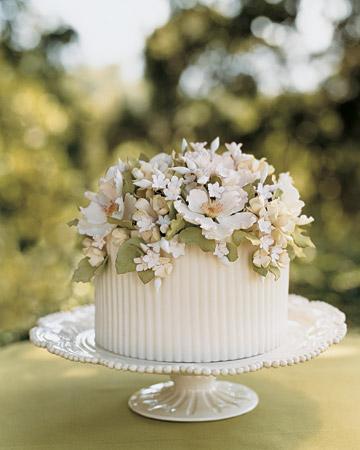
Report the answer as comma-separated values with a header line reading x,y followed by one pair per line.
x,y
205,311
190,254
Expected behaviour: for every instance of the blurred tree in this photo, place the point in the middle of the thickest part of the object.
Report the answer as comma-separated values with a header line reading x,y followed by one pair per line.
x,y
210,73
52,148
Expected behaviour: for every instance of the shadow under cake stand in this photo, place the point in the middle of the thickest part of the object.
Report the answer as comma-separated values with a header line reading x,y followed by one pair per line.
x,y
193,394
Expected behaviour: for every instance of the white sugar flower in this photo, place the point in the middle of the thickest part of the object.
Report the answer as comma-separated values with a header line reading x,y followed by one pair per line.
x,y
152,259
264,225
172,190
265,191
147,261
261,258
107,202
275,254
198,145
94,254
290,195
114,240
266,241
304,220
201,210
145,217
234,148
215,190
204,163
221,251
164,222
257,206
159,181
94,221
164,268
173,247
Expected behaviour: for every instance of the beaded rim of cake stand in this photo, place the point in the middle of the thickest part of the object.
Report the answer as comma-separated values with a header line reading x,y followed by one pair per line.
x,y
70,334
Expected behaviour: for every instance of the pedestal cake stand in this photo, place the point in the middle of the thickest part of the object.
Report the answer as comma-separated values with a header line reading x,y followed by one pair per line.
x,y
193,394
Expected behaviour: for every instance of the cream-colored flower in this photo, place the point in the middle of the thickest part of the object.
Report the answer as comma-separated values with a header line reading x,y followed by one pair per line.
x,y
94,254
108,202
115,240
221,251
173,247
163,222
159,205
261,258
173,187
218,218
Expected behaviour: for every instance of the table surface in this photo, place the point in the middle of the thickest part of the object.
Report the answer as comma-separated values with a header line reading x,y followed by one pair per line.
x,y
50,403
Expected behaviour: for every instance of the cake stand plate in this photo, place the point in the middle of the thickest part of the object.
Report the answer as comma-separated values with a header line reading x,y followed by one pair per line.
x,y
193,393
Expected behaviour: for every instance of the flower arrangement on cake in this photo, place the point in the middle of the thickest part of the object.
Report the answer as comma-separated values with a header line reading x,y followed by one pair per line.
x,y
146,212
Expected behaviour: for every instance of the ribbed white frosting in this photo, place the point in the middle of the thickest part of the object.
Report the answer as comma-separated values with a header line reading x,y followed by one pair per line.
x,y
205,311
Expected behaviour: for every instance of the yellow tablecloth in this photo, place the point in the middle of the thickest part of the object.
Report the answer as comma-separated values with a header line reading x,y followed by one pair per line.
x,y
49,403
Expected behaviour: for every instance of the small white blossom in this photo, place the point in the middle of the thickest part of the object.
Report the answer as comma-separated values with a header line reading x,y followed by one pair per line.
x,y
173,247
215,144
264,225
221,250
198,145
215,190
159,181
275,254
172,190
265,191
164,222
265,242
94,254
261,258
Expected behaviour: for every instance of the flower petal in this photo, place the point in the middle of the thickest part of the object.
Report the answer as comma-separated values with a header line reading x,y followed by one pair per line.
x,y
94,213
196,198
186,213
239,221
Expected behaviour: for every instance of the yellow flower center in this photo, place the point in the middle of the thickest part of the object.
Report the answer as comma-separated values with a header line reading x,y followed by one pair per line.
x,y
211,208
110,208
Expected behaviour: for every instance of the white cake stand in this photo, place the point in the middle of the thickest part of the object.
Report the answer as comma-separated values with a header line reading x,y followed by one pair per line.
x,y
193,394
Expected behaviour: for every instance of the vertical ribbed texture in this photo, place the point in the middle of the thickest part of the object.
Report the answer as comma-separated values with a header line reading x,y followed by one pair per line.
x,y
204,311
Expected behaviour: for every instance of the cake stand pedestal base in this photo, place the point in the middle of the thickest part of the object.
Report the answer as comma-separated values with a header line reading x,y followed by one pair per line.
x,y
189,398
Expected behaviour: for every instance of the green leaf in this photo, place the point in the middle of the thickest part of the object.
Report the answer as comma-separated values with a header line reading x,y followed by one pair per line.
x,y
128,185
275,271
127,252
263,271
73,223
233,252
172,210
85,271
175,226
277,193
215,179
239,236
302,240
291,252
146,276
144,157
122,223
295,251
250,190
193,236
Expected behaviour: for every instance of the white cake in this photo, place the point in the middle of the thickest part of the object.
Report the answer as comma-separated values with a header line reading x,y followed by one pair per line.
x,y
190,252
205,311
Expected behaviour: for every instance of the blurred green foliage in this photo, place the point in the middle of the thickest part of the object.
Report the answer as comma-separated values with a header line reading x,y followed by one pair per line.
x,y
58,132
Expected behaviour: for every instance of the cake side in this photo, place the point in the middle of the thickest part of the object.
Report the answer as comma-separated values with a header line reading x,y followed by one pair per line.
x,y
206,311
